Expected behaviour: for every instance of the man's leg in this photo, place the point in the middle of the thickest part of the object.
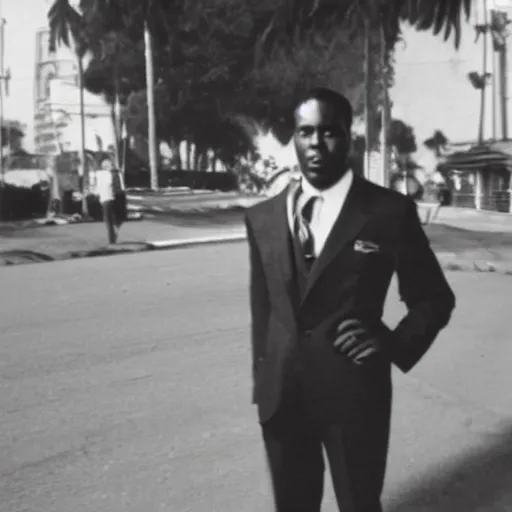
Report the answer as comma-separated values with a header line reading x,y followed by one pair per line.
x,y
108,217
296,465
356,483
113,217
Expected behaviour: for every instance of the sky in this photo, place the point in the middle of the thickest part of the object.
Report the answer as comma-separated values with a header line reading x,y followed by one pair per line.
x,y
24,18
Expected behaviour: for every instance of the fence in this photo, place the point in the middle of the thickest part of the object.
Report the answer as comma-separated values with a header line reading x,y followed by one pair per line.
x,y
496,201
225,181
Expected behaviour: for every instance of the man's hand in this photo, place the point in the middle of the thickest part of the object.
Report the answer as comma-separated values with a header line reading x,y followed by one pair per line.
x,y
355,341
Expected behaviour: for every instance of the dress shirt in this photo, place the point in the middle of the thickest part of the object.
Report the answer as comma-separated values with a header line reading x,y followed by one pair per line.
x,y
326,210
104,185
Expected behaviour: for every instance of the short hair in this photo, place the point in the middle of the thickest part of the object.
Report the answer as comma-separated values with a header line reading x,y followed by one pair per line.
x,y
335,99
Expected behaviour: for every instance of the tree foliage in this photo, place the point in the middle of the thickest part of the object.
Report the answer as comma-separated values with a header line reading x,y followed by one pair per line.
x,y
218,62
117,67
442,17
437,142
402,137
11,130
209,76
66,26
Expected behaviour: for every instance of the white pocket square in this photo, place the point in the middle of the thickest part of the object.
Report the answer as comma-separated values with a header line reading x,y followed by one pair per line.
x,y
366,246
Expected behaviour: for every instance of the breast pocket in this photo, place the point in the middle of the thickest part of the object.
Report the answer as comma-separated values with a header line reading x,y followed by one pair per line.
x,y
367,260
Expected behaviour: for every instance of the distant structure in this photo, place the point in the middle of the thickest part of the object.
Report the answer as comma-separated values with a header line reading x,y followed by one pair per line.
x,y
56,104
12,136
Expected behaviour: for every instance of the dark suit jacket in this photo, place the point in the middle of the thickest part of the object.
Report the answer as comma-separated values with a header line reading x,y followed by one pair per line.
x,y
343,283
292,334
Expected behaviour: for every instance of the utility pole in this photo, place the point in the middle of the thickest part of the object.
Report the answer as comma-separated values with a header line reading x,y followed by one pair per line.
x,y
83,168
494,94
150,95
499,33
4,80
504,86
484,74
368,81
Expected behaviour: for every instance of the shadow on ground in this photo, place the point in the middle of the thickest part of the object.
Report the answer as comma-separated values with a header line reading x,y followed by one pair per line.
x,y
19,257
231,215
119,248
473,482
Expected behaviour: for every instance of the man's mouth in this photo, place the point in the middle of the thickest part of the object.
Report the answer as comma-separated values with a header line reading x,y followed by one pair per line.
x,y
315,161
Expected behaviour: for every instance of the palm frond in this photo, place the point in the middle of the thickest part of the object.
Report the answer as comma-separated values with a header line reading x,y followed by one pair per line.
x,y
443,17
65,24
439,15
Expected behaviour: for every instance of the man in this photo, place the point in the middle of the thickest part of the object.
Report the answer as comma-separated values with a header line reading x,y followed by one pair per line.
x,y
322,255
108,188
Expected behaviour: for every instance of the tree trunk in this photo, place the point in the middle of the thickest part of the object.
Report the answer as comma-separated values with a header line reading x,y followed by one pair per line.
x,y
83,171
197,156
367,97
175,153
150,89
2,168
115,112
385,114
503,91
484,73
189,156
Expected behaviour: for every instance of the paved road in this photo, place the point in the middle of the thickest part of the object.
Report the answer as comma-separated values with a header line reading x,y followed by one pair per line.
x,y
124,388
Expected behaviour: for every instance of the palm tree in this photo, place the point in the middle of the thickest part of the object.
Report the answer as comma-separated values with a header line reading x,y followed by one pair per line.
x,y
66,27
155,16
112,48
437,143
150,87
485,28
440,16
151,17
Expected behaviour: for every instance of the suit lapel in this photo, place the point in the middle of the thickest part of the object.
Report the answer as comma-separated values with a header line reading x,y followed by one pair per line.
x,y
349,223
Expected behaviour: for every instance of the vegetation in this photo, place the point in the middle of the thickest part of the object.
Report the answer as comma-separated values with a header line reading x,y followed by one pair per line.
x,y
221,65
437,142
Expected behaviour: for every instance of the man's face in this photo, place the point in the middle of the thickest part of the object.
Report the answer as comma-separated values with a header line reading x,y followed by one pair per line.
x,y
322,143
106,165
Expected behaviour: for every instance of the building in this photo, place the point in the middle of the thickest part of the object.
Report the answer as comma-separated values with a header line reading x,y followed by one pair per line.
x,y
432,90
57,124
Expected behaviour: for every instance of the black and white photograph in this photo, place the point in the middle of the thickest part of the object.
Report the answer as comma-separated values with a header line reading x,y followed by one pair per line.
x,y
255,256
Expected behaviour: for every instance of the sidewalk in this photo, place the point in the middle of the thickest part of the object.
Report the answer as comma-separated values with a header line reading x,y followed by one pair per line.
x,y
463,239
466,218
75,240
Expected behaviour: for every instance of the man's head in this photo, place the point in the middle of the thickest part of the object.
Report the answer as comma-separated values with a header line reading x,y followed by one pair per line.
x,y
323,122
106,164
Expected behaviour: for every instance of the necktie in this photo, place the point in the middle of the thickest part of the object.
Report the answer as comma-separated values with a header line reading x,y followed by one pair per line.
x,y
303,215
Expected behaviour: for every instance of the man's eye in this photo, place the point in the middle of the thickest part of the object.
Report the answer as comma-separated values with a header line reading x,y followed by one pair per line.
x,y
331,133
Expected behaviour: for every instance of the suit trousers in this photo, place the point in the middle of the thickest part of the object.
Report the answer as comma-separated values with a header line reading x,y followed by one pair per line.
x,y
294,447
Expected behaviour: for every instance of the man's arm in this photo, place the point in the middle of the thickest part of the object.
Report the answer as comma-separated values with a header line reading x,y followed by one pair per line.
x,y
259,299
425,291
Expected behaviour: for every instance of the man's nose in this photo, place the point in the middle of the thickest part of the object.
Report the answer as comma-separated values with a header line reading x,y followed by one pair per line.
x,y
314,139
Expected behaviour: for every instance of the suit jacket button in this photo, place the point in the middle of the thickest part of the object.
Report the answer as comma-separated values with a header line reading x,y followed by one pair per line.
x,y
308,332
260,359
